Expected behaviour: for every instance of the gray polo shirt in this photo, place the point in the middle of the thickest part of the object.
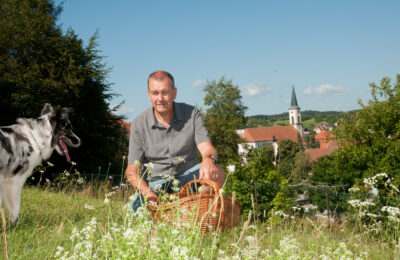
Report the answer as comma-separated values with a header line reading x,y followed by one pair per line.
x,y
151,142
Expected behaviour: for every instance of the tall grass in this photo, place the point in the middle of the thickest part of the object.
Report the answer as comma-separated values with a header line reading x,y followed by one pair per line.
x,y
94,221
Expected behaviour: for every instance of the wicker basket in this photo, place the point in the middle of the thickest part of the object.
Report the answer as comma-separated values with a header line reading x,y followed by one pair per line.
x,y
211,211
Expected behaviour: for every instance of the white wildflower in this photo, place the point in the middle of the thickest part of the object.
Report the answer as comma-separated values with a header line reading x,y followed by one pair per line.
x,y
367,203
393,211
354,189
89,207
281,213
374,191
175,182
107,195
354,203
149,165
180,159
106,200
231,168
371,215
179,252
296,208
157,187
394,187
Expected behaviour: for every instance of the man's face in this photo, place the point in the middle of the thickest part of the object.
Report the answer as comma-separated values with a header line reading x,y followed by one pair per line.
x,y
161,96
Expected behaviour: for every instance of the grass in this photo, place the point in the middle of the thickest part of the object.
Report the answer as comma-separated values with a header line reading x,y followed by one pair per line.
x,y
49,218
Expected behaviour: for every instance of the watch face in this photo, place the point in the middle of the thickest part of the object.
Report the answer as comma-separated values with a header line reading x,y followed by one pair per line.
x,y
213,158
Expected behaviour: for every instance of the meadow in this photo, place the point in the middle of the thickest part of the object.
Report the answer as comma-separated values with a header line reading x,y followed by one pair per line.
x,y
73,219
70,218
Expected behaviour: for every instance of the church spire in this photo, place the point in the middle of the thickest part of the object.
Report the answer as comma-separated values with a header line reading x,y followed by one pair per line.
x,y
293,104
294,113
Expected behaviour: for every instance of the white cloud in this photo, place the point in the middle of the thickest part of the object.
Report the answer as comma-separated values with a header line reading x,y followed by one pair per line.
x,y
199,83
324,90
256,89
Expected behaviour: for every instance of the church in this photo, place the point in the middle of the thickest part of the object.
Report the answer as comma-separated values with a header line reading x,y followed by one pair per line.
x,y
256,137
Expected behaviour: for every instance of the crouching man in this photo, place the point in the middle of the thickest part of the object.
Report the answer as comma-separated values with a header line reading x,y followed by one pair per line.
x,y
167,136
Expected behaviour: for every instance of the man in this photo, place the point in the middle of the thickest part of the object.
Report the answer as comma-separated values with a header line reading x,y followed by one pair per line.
x,y
167,136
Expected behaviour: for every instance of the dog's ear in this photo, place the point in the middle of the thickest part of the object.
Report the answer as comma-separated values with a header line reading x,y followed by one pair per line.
x,y
47,109
64,112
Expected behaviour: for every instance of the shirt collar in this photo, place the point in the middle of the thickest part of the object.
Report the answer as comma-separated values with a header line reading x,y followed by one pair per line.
x,y
177,116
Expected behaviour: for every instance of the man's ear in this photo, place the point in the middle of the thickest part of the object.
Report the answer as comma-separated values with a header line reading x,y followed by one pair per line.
x,y
47,109
175,92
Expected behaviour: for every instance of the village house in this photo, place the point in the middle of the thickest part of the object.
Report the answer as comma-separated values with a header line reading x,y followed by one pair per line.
x,y
256,137
327,145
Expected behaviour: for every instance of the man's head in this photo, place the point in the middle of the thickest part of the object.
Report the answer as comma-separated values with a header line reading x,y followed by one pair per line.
x,y
160,75
161,91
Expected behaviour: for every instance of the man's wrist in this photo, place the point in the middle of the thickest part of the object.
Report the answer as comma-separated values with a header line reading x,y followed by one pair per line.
x,y
212,157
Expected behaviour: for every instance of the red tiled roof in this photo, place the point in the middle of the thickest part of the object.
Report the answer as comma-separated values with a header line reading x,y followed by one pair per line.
x,y
315,153
324,138
324,135
268,133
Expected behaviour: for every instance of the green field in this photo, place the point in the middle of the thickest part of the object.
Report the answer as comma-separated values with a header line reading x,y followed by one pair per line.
x,y
106,229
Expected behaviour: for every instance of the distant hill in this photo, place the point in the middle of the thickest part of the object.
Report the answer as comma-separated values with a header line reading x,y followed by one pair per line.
x,y
310,118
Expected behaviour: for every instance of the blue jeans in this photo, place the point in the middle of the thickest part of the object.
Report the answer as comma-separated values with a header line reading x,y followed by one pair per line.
x,y
166,185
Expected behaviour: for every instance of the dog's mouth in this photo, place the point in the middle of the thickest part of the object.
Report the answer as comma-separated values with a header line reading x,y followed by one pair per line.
x,y
64,150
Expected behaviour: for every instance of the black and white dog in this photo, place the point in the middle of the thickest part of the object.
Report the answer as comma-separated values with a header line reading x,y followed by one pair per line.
x,y
25,144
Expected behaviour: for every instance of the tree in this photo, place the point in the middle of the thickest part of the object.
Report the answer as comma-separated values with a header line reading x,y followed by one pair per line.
x,y
302,167
370,138
41,64
224,115
324,173
259,177
287,152
310,140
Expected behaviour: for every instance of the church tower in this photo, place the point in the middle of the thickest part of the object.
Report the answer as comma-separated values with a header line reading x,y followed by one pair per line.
x,y
294,113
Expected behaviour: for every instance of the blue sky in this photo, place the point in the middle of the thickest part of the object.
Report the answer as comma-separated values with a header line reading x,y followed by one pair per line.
x,y
329,50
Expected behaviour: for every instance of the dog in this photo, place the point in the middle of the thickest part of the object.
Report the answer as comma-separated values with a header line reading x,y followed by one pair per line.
x,y
24,145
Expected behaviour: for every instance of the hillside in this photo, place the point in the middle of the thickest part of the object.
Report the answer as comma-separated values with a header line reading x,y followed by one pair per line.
x,y
310,118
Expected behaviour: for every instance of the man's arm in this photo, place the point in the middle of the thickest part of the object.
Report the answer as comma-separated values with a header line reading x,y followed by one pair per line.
x,y
138,183
209,169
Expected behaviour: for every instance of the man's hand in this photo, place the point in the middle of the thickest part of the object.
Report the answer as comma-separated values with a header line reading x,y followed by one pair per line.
x,y
210,171
152,197
139,184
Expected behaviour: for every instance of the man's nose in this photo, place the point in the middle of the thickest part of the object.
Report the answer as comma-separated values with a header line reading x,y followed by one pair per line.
x,y
160,97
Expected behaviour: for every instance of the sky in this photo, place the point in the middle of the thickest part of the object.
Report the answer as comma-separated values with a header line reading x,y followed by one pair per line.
x,y
329,50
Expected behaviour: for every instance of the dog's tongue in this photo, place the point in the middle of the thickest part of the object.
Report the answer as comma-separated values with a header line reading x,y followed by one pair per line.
x,y
65,150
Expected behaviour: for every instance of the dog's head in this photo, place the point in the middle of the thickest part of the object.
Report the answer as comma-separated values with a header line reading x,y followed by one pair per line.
x,y
63,135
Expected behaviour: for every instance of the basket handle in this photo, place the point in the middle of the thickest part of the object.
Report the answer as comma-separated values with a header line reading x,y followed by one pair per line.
x,y
212,184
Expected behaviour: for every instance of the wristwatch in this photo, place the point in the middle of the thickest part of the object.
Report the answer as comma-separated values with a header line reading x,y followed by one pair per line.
x,y
213,158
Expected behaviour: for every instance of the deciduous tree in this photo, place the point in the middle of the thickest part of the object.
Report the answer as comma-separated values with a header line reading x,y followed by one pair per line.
x,y
370,140
224,115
